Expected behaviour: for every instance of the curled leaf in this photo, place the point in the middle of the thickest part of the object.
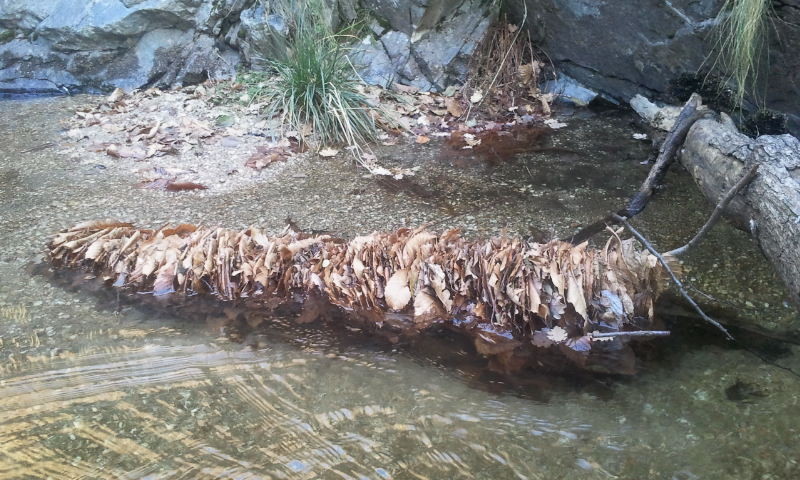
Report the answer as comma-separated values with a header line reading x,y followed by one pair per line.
x,y
397,293
328,152
476,96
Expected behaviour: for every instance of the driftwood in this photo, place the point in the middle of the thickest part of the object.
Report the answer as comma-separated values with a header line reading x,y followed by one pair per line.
x,y
692,111
511,296
717,155
679,129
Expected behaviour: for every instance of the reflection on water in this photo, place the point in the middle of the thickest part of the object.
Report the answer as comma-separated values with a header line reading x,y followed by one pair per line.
x,y
90,389
160,398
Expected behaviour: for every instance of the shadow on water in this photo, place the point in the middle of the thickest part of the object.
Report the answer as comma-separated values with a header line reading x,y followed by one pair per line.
x,y
329,330
690,334
326,329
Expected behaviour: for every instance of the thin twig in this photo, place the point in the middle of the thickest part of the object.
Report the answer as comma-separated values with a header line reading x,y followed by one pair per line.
x,y
761,357
718,211
642,333
38,148
711,297
678,283
503,62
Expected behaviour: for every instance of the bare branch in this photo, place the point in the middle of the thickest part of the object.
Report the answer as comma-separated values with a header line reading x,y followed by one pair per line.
x,y
678,283
640,333
748,176
691,113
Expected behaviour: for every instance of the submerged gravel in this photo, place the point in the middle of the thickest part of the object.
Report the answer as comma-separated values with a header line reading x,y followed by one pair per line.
x,y
85,390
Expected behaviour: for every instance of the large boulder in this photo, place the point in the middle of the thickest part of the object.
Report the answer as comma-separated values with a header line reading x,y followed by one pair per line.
x,y
262,30
627,47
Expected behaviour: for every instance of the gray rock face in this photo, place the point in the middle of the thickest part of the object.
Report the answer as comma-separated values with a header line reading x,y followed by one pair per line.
x,y
260,30
423,44
100,44
625,47
618,48
570,90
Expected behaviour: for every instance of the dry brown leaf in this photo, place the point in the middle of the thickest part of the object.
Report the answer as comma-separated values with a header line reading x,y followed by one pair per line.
x,y
126,152
476,96
529,72
266,155
94,249
576,296
471,140
438,282
397,293
117,95
454,107
424,304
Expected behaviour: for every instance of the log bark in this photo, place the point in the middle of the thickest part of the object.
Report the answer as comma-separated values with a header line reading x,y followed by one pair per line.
x,y
717,156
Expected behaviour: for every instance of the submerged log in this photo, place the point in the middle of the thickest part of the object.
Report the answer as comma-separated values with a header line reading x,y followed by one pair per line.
x,y
517,300
717,156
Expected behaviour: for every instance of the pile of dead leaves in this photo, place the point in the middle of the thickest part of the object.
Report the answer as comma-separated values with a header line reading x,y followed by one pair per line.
x,y
405,111
549,294
173,138
158,137
188,131
280,151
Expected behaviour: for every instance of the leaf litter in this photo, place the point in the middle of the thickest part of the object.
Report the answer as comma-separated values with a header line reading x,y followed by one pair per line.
x,y
182,131
214,129
505,292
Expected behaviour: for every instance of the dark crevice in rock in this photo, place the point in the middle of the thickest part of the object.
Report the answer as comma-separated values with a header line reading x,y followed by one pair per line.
x,y
593,71
426,70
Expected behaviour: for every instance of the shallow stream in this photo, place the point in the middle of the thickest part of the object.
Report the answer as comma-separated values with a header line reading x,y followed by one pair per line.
x,y
94,389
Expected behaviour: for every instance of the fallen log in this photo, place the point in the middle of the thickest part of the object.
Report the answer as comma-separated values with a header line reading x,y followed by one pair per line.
x,y
519,301
717,156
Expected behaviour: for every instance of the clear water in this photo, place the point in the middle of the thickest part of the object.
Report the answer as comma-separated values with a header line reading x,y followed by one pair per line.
x,y
91,388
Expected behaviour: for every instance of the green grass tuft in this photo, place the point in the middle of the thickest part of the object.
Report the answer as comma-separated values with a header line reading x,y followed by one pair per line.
x,y
316,84
742,38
